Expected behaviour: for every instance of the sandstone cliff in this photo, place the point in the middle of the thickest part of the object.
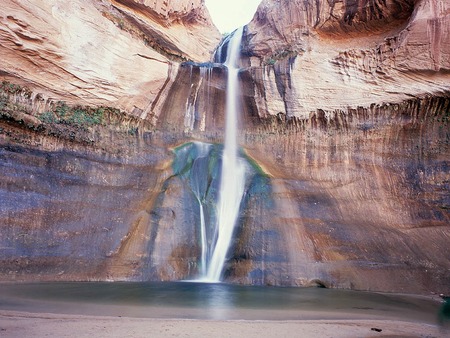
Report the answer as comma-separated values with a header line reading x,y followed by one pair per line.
x,y
308,55
122,54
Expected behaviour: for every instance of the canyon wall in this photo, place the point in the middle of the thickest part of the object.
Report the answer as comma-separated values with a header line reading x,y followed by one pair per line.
x,y
345,122
352,98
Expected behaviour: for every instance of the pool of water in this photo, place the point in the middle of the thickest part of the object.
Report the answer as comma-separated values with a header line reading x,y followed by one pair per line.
x,y
189,300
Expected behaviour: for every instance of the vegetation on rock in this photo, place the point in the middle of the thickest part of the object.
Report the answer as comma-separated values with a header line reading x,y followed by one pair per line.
x,y
83,124
78,116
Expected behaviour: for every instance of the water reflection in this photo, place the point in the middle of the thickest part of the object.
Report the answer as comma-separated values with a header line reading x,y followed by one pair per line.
x,y
219,302
212,301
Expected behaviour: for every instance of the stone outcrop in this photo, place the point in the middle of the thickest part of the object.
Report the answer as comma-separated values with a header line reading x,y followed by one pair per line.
x,y
122,54
358,199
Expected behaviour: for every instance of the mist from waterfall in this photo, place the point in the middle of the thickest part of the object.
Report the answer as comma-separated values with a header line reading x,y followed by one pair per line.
x,y
233,168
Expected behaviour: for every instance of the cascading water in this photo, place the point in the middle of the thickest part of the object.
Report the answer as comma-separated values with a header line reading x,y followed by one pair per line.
x,y
199,189
194,118
233,168
218,185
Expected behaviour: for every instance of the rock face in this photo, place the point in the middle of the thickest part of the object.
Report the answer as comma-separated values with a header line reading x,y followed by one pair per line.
x,y
122,54
291,24
342,90
333,55
353,199
345,122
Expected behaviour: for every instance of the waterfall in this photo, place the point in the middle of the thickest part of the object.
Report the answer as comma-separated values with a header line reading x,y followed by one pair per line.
x,y
189,116
216,175
199,188
233,168
194,116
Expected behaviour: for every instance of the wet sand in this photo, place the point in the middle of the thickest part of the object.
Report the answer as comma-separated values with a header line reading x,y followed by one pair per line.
x,y
25,324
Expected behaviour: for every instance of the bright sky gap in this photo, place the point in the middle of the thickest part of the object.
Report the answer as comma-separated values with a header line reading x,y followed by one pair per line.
x,y
231,14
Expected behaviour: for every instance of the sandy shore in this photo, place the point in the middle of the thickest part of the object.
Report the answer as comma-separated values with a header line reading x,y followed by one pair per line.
x,y
24,324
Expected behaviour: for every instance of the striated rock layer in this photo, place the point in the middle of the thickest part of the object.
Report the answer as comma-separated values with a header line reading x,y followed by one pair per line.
x,y
345,122
309,55
361,201
122,54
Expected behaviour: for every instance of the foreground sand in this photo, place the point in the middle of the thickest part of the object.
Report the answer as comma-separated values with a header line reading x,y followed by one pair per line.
x,y
24,324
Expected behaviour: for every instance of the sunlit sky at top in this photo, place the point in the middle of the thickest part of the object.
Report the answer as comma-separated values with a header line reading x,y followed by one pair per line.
x,y
228,15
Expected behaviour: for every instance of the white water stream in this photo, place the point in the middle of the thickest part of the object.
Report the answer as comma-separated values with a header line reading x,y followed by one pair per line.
x,y
198,189
233,168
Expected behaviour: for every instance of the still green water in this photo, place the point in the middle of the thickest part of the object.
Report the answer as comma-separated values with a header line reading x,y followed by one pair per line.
x,y
186,300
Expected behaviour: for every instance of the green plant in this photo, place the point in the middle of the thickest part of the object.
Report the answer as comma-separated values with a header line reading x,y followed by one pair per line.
x,y
78,116
10,88
3,101
282,54
48,117
97,115
62,109
133,130
81,117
